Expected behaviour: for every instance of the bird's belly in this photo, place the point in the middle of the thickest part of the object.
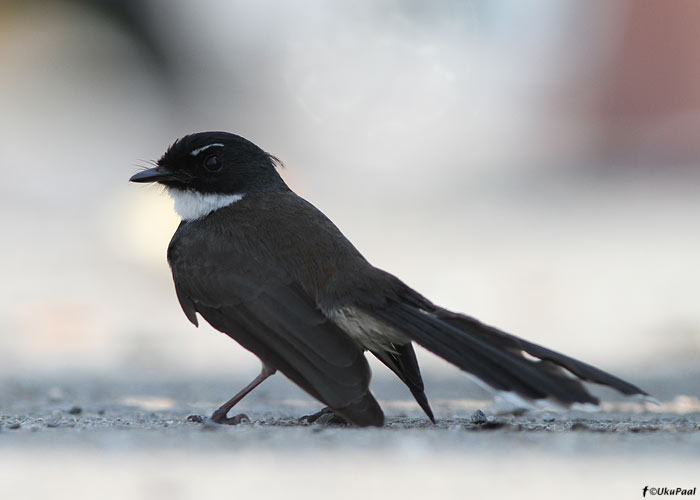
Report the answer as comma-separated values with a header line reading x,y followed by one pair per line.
x,y
366,330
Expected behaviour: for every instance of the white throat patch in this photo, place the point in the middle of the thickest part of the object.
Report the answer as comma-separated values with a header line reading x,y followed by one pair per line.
x,y
191,205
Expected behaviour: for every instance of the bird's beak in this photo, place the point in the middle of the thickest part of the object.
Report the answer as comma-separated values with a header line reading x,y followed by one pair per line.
x,y
156,174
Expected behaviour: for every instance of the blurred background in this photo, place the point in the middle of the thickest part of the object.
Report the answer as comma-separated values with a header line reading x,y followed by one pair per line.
x,y
534,165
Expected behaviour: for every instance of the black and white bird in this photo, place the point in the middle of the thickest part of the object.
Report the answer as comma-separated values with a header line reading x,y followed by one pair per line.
x,y
271,271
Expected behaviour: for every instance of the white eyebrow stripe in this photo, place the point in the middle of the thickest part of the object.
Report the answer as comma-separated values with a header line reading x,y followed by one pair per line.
x,y
195,152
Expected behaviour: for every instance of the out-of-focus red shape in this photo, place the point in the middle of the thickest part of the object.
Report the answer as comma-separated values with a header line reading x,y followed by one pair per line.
x,y
650,91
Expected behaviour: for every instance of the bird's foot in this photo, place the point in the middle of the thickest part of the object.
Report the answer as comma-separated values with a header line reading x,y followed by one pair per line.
x,y
326,416
220,417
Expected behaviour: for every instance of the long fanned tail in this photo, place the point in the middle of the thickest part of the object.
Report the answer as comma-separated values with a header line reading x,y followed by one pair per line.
x,y
497,357
582,370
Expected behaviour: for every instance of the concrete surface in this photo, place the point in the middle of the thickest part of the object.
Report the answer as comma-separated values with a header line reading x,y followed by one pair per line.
x,y
107,437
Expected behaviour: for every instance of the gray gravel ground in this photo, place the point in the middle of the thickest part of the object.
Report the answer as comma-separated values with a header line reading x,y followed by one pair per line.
x,y
75,437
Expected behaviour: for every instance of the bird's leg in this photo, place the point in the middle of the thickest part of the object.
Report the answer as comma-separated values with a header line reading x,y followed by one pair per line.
x,y
332,419
219,416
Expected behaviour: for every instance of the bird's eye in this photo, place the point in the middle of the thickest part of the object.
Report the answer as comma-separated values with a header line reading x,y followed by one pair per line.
x,y
212,163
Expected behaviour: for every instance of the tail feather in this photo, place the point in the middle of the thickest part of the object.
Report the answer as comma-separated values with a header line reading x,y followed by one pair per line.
x,y
515,344
497,359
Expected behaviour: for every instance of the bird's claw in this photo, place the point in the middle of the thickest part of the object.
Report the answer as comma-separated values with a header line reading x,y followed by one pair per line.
x,y
221,418
326,416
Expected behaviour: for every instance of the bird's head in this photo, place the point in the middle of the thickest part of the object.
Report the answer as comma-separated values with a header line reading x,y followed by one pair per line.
x,y
216,163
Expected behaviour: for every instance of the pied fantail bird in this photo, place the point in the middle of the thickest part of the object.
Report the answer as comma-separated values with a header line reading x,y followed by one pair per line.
x,y
268,269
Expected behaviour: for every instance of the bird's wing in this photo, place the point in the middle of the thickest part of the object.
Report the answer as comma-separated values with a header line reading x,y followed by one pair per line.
x,y
401,359
265,310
